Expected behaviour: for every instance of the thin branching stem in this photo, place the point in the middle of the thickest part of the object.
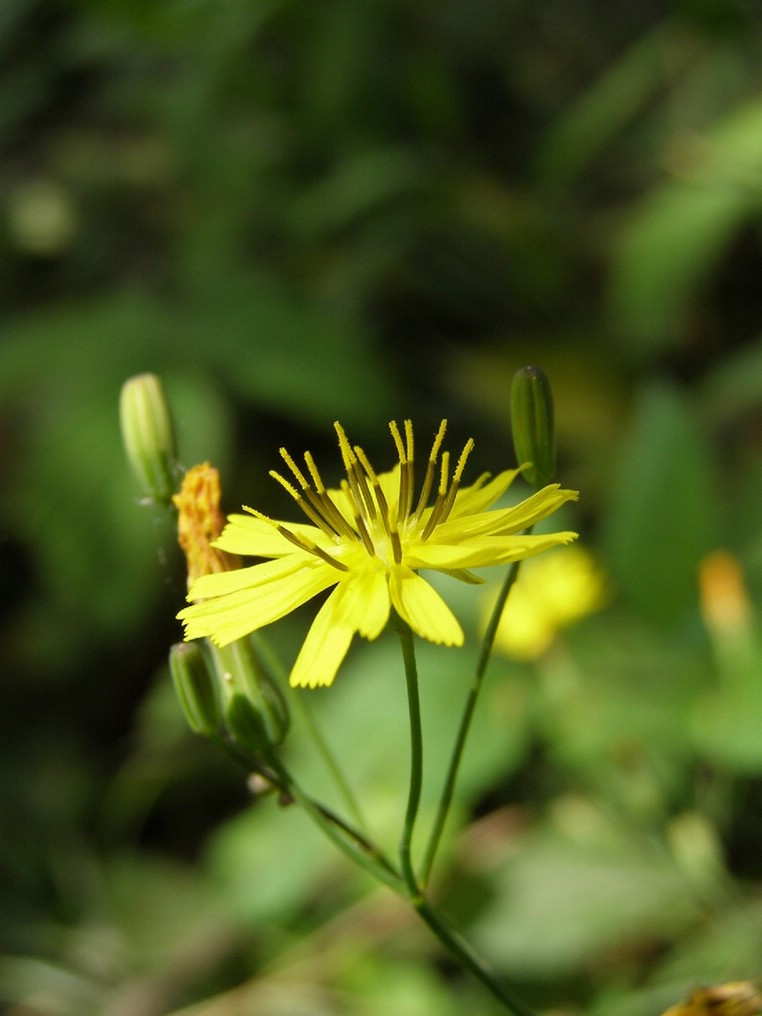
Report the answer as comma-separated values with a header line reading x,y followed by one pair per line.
x,y
477,681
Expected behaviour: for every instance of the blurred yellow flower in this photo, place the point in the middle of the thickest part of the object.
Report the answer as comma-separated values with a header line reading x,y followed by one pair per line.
x,y
725,604
739,998
368,539
550,594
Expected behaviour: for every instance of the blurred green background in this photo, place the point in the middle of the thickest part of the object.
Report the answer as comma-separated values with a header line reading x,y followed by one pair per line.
x,y
300,211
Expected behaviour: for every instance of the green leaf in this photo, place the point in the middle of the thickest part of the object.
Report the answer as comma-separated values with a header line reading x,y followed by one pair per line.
x,y
661,516
677,237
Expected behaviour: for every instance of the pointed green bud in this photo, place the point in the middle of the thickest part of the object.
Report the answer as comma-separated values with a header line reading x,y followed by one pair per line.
x,y
534,438
148,435
196,688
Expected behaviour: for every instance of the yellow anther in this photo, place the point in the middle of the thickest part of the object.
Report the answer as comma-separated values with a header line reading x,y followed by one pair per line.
x,y
444,471
438,441
467,449
364,461
294,469
314,514
260,515
313,469
428,479
409,439
401,453
286,485
347,455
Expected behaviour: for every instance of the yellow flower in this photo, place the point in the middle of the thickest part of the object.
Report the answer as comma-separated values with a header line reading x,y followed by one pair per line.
x,y
739,998
550,594
368,539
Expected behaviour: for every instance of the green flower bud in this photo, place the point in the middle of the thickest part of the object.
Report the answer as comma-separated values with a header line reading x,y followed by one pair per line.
x,y
196,688
246,725
254,710
534,438
148,435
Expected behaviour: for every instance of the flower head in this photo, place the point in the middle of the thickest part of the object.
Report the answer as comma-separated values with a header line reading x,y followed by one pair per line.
x,y
368,539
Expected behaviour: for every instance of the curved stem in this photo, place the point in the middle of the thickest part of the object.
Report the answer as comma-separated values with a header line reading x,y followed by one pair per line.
x,y
477,679
268,659
350,841
456,945
416,757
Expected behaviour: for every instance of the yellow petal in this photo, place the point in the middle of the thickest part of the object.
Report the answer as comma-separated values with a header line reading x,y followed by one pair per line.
x,y
483,551
505,521
364,602
234,614
423,608
325,647
478,498
253,537
221,583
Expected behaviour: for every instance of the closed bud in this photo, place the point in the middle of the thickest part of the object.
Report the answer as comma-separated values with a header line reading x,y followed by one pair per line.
x,y
196,688
246,725
148,435
534,438
254,709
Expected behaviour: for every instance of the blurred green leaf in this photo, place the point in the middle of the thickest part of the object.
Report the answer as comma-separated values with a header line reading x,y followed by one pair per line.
x,y
563,903
677,237
613,101
662,512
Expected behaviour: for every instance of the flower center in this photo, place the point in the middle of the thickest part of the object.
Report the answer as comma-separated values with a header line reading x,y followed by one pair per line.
x,y
380,524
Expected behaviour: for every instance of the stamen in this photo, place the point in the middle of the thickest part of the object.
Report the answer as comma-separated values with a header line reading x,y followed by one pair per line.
x,y
347,455
398,441
383,506
362,481
452,492
316,478
286,485
407,501
467,449
310,547
357,483
360,529
409,439
365,462
294,469
405,454
396,546
322,502
365,536
428,479
441,501
315,517
443,474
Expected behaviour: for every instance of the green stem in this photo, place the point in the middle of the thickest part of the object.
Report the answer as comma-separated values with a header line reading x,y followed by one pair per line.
x,y
453,942
461,949
268,659
350,841
477,680
416,757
